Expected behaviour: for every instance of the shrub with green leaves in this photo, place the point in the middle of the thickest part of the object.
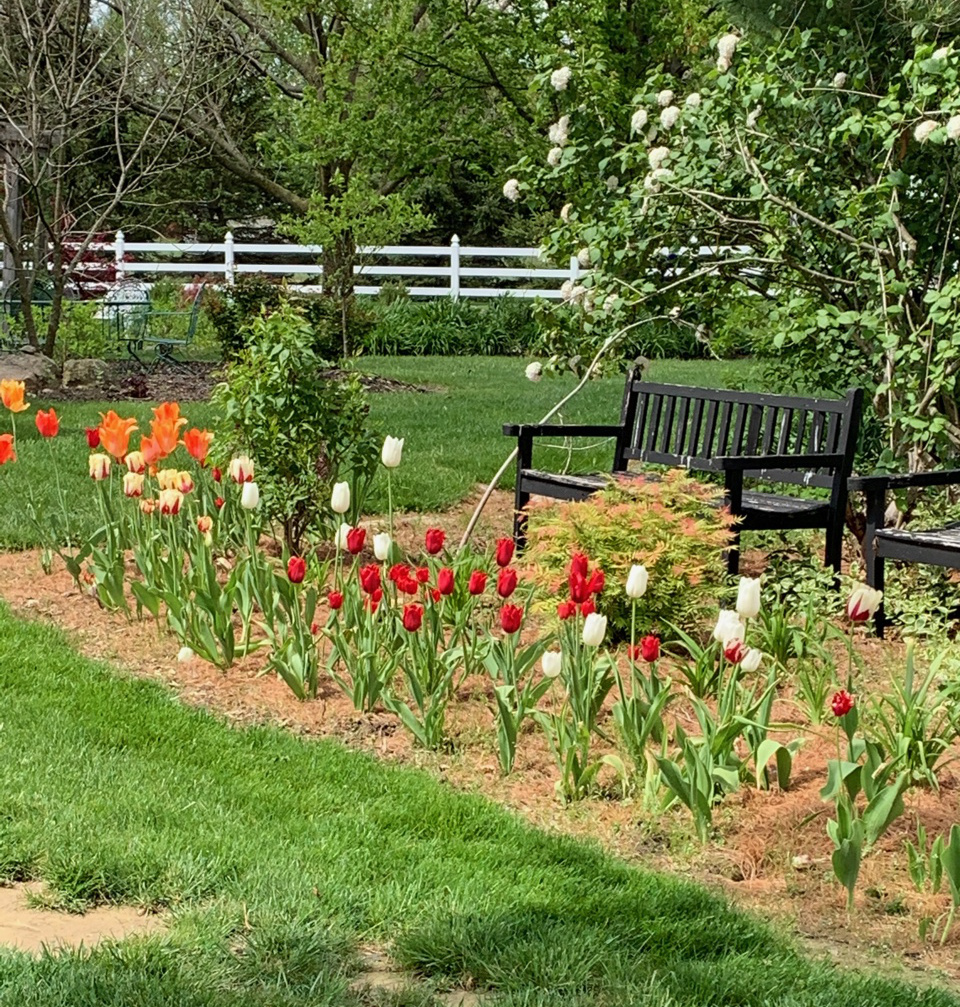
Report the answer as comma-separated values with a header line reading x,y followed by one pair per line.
x,y
668,522
305,425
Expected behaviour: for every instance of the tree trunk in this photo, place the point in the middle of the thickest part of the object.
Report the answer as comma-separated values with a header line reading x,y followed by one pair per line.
x,y
339,259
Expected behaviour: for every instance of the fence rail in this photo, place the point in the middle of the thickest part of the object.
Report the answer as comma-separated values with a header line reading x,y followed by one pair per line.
x,y
156,258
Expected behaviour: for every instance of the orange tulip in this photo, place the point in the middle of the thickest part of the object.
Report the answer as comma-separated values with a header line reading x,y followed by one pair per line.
x,y
150,450
148,506
7,454
115,434
48,423
165,426
11,395
168,413
197,443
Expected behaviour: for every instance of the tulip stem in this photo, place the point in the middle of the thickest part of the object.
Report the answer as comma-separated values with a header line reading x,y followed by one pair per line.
x,y
390,503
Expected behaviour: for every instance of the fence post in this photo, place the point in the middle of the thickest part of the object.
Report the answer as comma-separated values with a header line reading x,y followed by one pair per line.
x,y
455,268
118,254
574,269
229,261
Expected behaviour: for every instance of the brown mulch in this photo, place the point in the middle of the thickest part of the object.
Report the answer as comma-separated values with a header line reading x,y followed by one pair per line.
x,y
192,381
762,833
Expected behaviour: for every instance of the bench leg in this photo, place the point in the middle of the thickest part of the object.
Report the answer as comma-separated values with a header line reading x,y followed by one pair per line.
x,y
873,564
833,553
522,498
732,555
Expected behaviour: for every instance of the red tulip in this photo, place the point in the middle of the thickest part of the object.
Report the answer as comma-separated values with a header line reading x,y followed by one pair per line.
x,y
650,648
372,602
335,600
510,618
370,577
93,437
445,581
216,473
435,595
566,609
587,608
634,651
355,539
423,574
579,588
597,581
296,569
579,564
506,582
397,572
434,540
314,627
412,617
735,650
478,582
842,703
48,423
219,502
7,454
504,553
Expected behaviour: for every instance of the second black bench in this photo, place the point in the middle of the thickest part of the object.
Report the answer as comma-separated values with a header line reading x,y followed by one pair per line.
x,y
743,435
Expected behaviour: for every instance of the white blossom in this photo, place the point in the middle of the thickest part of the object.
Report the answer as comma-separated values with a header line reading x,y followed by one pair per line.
x,y
662,175
922,133
693,100
572,293
674,312
552,663
637,580
840,80
559,131
612,183
665,98
559,79
609,302
583,257
942,53
638,120
753,117
553,158
657,156
729,627
727,46
669,116
185,654
650,183
534,371
565,289
723,64
511,189
565,212
953,127
751,662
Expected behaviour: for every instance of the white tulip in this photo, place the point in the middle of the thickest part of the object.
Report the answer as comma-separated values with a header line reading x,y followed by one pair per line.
x,y
863,603
748,598
534,371
594,629
728,627
250,498
392,452
342,534
637,581
551,663
381,546
752,660
340,498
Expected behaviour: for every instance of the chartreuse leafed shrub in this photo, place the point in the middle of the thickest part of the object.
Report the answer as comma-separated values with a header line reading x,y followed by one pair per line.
x,y
306,425
670,523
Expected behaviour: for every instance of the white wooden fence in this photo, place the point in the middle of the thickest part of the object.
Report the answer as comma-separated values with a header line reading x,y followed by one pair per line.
x,y
455,263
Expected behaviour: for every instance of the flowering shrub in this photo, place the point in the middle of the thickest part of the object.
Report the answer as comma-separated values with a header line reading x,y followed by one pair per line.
x,y
666,523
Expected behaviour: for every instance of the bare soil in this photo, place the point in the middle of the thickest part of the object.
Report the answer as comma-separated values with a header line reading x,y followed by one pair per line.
x,y
771,855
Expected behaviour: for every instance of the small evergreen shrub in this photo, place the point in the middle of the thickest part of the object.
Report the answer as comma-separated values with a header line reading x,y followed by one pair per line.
x,y
668,522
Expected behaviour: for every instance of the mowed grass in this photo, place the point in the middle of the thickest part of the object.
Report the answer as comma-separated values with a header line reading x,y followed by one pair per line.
x,y
453,435
276,856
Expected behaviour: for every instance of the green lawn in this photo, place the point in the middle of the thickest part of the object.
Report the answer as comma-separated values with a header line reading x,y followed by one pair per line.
x,y
277,855
453,437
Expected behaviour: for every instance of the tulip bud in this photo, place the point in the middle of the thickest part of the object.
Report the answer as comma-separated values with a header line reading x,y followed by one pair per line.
x,y
204,524
93,437
219,502
184,482
133,484
355,540
650,648
511,617
478,582
594,629
381,546
729,627
135,462
504,551
863,603
551,662
335,600
748,597
250,497
168,479
342,533
445,581
296,569
148,506
392,452
216,473
752,659
637,581
340,498
99,467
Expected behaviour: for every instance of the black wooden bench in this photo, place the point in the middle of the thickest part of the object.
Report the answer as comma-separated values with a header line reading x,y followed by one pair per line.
x,y
936,546
775,438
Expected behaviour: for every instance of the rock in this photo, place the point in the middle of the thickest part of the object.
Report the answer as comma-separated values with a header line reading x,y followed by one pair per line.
x,y
84,373
34,369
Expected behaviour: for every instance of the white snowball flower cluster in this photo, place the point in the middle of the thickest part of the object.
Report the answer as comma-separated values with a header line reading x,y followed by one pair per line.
x,y
657,156
942,53
665,98
511,189
693,100
583,257
572,293
953,127
726,47
922,133
559,79
669,116
612,183
840,80
753,117
638,120
559,131
534,371
553,158
565,212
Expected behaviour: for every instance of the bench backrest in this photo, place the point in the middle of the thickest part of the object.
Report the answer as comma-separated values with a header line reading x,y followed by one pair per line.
x,y
692,427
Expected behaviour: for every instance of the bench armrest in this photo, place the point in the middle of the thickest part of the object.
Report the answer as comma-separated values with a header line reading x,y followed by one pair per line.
x,y
904,480
757,463
561,429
